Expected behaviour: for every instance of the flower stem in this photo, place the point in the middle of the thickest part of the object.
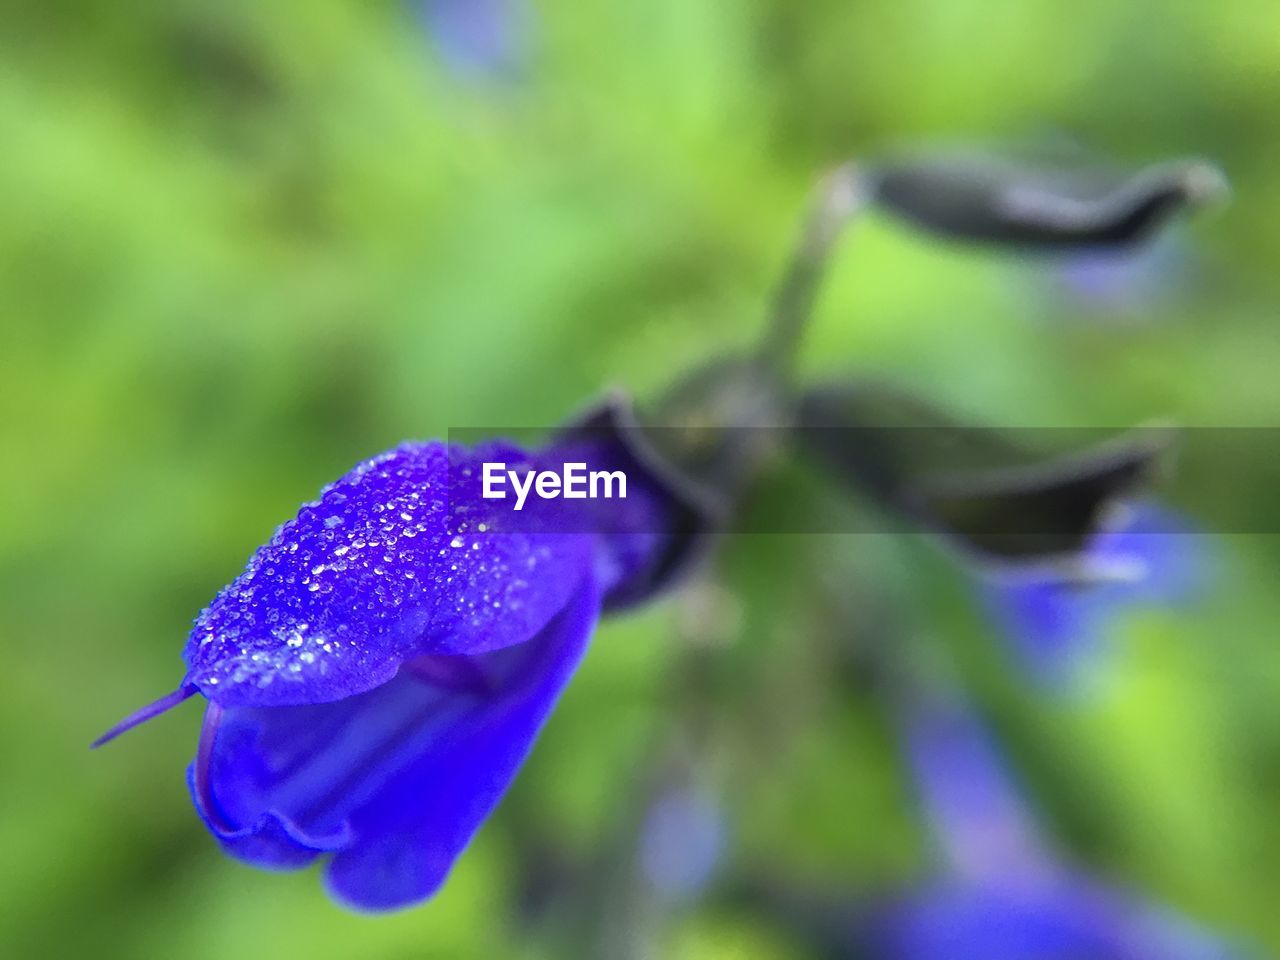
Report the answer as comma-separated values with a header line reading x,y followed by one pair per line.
x,y
841,196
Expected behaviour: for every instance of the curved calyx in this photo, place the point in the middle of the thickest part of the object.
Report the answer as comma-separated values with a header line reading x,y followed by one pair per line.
x,y
986,200
995,496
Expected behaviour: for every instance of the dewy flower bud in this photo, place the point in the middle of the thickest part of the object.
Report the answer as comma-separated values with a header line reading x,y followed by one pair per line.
x,y
380,669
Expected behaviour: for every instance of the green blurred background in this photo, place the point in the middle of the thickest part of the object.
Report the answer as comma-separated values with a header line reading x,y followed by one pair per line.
x,y
244,245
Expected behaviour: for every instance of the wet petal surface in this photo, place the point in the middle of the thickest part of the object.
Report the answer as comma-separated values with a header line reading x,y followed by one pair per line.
x,y
398,778
391,562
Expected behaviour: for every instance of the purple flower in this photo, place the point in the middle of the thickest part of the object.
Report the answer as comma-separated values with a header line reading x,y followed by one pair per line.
x,y
379,671
1153,558
1064,921
478,38
1005,895
1129,279
682,842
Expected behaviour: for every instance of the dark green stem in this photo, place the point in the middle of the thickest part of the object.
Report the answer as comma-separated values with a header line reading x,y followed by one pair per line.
x,y
841,196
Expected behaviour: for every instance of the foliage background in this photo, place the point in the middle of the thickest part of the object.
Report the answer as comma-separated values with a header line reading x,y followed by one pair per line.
x,y
244,245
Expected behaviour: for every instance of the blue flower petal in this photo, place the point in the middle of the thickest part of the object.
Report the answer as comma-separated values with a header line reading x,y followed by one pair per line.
x,y
391,562
1068,919
968,795
409,834
1006,896
272,842
1052,625
1153,559
964,923
479,37
397,779
1164,555
681,843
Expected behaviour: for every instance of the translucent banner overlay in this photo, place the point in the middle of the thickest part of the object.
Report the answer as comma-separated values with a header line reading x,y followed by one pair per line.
x,y
866,479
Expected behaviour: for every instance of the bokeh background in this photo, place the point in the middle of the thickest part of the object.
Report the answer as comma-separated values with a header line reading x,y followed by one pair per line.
x,y
244,245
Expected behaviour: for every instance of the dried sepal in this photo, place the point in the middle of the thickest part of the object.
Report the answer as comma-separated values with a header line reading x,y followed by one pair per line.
x,y
996,499
987,200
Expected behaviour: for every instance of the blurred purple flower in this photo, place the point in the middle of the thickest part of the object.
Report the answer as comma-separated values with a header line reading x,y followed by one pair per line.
x,y
682,842
1129,279
1153,558
1071,920
979,821
1005,896
377,674
479,38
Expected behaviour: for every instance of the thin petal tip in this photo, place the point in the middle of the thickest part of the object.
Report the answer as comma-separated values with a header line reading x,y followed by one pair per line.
x,y
150,711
